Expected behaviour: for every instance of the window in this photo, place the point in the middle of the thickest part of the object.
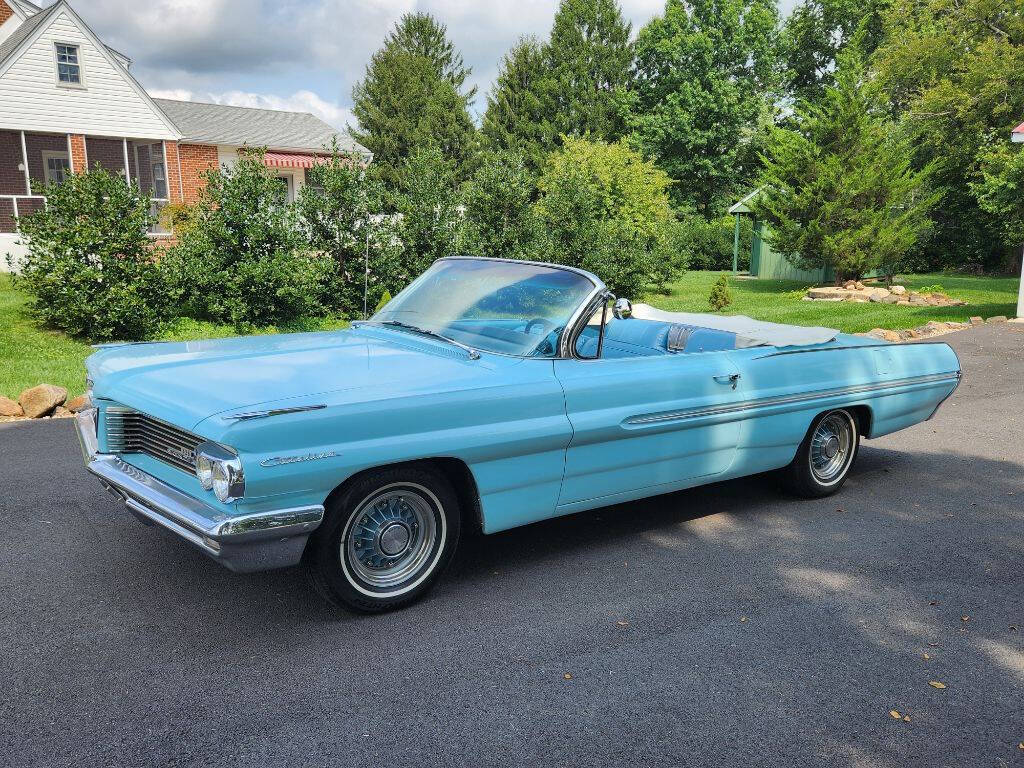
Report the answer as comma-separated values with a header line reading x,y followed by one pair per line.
x,y
286,188
159,181
69,71
56,166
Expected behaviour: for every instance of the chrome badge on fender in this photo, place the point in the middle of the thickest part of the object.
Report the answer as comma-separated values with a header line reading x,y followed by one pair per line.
x,y
277,461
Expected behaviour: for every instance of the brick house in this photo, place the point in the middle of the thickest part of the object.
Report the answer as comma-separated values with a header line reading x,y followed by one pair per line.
x,y
68,102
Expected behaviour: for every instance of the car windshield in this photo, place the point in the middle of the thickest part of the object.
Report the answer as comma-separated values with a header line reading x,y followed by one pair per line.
x,y
514,308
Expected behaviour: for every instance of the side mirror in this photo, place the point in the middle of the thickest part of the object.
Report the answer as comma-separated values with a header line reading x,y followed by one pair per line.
x,y
623,308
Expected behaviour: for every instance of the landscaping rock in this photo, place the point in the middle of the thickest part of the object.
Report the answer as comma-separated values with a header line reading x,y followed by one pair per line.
x,y
10,408
977,320
997,319
891,299
39,401
60,412
899,290
77,404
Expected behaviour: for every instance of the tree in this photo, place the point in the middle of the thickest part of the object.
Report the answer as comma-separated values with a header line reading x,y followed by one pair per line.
x,y
703,72
516,118
953,73
606,209
499,217
588,60
816,31
340,206
428,202
839,190
410,99
244,260
1000,189
90,270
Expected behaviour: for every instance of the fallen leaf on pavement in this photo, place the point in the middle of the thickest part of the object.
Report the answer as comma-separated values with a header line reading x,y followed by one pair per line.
x,y
622,623
933,602
1013,627
933,645
894,714
567,676
936,684
743,618
906,718
925,656
965,618
1021,745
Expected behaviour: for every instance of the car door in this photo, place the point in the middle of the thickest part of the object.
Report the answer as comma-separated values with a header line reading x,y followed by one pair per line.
x,y
647,423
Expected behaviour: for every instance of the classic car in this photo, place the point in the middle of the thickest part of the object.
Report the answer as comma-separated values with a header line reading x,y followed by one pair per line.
x,y
489,393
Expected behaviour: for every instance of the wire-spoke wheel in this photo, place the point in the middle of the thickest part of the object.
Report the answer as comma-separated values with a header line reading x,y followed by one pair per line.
x,y
386,538
825,456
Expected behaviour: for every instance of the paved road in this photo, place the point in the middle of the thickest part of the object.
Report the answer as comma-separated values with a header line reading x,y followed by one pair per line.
x,y
761,630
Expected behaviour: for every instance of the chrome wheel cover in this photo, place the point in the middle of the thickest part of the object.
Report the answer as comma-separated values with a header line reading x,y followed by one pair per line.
x,y
832,447
391,535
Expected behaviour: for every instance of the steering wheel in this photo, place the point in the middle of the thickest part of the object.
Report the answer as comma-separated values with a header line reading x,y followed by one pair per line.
x,y
545,324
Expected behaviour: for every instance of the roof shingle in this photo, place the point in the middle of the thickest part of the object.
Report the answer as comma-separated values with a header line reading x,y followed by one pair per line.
x,y
222,124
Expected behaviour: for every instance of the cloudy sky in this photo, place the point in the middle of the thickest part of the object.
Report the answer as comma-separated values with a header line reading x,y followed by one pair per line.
x,y
302,54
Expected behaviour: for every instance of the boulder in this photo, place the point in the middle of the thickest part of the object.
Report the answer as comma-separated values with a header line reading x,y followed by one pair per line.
x,y
891,299
997,319
39,401
859,285
933,326
827,292
850,285
899,290
60,412
10,408
77,404
977,320
878,294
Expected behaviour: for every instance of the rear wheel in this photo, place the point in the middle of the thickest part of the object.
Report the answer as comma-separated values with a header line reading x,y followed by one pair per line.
x,y
825,456
386,539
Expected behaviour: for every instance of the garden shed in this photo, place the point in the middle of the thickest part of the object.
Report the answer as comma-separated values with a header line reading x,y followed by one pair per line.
x,y
765,261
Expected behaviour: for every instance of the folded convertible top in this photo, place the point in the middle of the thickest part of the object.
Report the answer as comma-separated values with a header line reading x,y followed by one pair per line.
x,y
749,332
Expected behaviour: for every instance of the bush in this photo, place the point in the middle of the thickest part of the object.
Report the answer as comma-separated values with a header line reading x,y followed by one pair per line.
x,y
90,270
244,260
721,296
606,209
428,203
340,212
708,244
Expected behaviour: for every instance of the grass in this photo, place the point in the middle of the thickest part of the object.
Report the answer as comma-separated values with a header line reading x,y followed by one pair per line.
x,y
781,301
30,355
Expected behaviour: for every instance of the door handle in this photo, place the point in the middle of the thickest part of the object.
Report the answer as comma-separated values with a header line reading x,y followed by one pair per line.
x,y
727,378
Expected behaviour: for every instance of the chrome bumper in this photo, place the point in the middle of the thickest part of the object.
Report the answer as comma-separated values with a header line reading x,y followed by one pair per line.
x,y
243,543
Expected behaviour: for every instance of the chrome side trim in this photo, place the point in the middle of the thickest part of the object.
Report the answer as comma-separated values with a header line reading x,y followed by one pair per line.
x,y
247,415
806,350
765,402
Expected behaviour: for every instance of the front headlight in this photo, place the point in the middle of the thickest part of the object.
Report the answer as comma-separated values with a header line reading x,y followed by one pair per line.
x,y
219,469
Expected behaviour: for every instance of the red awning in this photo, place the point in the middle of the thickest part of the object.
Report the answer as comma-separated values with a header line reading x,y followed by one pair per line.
x,y
1019,129
292,160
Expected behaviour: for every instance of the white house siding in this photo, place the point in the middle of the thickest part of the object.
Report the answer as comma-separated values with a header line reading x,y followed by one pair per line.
x,y
109,105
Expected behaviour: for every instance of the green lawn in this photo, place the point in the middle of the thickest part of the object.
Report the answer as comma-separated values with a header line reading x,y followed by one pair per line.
x,y
780,301
30,355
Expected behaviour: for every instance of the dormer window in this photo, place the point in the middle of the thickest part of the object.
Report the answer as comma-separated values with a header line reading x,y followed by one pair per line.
x,y
69,70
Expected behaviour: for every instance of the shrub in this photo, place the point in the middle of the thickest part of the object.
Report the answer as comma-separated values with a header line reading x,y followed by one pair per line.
x,y
606,209
428,202
90,271
720,296
340,211
708,244
244,261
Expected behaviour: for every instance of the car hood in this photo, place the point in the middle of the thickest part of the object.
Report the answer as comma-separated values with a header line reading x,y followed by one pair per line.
x,y
186,382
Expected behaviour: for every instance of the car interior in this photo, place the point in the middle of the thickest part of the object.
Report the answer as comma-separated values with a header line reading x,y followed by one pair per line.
x,y
633,337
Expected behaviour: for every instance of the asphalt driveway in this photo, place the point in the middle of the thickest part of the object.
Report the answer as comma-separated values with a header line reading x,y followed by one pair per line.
x,y
727,625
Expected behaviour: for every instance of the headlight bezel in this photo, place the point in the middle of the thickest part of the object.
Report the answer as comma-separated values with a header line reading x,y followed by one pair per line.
x,y
219,469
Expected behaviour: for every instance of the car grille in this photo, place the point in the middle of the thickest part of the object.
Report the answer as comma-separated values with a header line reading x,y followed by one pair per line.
x,y
129,431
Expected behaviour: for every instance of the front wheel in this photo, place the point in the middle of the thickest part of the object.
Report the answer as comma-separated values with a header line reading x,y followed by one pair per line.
x,y
825,456
385,540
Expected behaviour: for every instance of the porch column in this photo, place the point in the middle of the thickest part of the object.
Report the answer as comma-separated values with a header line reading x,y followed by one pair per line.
x,y
127,171
736,246
25,163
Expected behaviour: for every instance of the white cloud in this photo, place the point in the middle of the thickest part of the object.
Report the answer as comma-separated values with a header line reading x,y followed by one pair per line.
x,y
300,101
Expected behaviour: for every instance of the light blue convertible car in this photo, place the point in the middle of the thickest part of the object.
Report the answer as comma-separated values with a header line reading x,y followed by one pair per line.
x,y
488,393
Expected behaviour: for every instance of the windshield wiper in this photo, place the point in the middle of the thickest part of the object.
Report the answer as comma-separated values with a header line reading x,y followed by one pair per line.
x,y
473,354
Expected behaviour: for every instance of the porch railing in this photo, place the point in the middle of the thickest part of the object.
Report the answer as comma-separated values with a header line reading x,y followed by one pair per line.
x,y
14,206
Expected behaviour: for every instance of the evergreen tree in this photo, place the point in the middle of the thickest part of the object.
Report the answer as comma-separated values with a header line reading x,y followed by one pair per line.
x,y
588,60
428,202
703,72
516,119
410,99
839,190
